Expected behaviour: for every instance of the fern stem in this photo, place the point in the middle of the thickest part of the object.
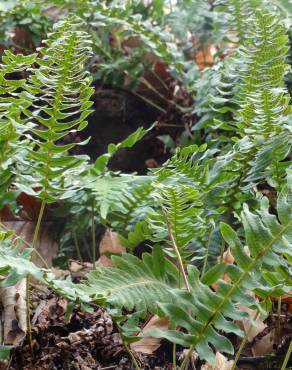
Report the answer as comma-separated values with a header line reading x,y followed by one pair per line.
x,y
27,295
38,225
87,248
279,309
28,245
135,363
243,343
207,252
174,356
93,237
187,359
287,357
27,314
148,101
180,262
77,246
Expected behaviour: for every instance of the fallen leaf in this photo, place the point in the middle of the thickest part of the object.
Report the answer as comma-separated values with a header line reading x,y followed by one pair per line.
x,y
79,269
109,244
221,363
264,346
251,330
228,258
24,226
46,244
148,345
13,316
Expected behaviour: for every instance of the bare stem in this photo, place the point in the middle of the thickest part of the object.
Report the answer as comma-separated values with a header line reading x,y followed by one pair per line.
x,y
34,241
177,252
287,357
187,358
135,363
243,343
77,246
207,253
93,237
38,225
174,356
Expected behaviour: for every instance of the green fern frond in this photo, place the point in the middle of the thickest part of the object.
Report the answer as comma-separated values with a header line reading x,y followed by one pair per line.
x,y
179,205
60,91
204,311
234,15
265,105
134,283
186,165
12,104
135,201
151,35
108,191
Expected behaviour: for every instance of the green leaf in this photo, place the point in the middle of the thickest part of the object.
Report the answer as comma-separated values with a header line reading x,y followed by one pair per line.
x,y
134,283
5,352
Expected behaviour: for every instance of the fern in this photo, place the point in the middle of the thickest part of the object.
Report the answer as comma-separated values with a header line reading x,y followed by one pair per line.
x,y
203,311
133,283
179,206
135,202
12,104
60,91
235,14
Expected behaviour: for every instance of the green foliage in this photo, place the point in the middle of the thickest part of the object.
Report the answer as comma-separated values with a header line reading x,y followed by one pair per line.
x,y
13,264
23,24
204,310
179,206
244,111
60,91
12,104
234,15
133,283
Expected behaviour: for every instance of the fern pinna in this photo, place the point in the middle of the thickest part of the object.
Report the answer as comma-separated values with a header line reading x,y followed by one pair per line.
x,y
60,92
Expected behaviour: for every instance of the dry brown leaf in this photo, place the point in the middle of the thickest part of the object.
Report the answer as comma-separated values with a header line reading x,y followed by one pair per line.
x,y
264,346
228,258
221,363
79,269
46,244
251,330
148,345
109,244
13,316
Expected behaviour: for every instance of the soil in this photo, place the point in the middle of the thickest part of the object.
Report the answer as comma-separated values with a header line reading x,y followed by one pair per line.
x,y
90,341
84,340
